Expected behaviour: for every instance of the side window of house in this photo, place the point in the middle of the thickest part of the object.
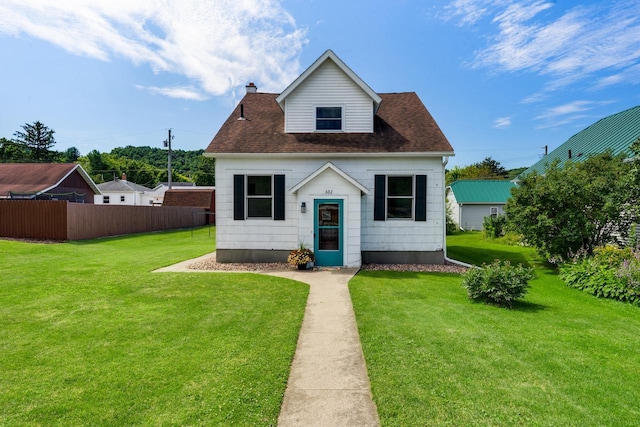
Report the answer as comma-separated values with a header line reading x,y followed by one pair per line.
x,y
121,199
258,196
328,118
400,197
493,212
105,199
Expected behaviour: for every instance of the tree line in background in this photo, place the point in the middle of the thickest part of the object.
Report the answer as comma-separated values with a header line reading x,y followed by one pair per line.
x,y
147,166
486,169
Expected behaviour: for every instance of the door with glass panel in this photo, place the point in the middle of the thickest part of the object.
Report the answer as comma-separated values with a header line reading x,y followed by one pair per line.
x,y
328,231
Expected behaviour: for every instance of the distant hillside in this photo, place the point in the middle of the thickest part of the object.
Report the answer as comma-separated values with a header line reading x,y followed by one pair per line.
x,y
148,166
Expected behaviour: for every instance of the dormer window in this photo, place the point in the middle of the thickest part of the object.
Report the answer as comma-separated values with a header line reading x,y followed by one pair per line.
x,y
328,118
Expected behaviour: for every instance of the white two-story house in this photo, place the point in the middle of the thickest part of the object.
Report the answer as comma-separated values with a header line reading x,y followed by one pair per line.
x,y
356,176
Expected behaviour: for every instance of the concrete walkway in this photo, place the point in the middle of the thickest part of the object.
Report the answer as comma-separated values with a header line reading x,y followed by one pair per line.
x,y
328,384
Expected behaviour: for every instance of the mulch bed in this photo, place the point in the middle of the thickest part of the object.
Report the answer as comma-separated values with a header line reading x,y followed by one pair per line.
x,y
212,264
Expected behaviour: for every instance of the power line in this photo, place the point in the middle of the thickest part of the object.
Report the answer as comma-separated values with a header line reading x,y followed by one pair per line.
x,y
123,136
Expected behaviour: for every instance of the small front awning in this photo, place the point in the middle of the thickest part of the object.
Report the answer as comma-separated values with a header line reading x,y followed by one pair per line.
x,y
329,165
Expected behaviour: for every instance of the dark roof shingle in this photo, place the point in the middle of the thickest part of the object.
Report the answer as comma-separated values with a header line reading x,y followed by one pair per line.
x,y
402,125
32,177
191,198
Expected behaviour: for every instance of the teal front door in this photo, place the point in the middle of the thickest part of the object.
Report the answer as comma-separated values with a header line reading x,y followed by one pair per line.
x,y
328,233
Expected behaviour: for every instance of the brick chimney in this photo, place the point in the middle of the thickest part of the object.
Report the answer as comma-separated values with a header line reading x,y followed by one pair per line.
x,y
124,176
251,88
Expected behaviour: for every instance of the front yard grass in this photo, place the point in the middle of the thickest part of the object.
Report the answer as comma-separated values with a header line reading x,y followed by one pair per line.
x,y
559,357
90,336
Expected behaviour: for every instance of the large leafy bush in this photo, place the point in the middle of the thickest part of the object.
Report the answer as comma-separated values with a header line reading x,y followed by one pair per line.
x,y
576,206
498,283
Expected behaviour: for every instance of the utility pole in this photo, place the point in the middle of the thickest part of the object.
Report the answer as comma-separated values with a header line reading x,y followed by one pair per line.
x,y
167,144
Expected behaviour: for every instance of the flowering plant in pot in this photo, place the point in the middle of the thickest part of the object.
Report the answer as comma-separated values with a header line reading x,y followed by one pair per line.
x,y
301,256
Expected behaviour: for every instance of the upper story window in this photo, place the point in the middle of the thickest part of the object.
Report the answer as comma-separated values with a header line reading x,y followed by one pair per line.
x,y
121,199
328,118
259,196
105,199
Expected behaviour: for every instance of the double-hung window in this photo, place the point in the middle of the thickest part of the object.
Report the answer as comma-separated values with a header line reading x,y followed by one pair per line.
x,y
400,197
328,118
258,196
105,199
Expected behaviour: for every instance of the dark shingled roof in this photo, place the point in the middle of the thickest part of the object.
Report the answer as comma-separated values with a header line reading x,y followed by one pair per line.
x,y
402,125
119,185
36,177
191,198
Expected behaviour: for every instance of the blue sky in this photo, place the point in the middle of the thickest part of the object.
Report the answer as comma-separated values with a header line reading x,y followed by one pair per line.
x,y
503,78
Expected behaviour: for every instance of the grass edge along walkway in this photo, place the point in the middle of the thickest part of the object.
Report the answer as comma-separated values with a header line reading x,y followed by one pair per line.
x,y
560,357
90,336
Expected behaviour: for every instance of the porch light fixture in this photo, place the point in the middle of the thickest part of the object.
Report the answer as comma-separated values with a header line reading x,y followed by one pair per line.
x,y
303,208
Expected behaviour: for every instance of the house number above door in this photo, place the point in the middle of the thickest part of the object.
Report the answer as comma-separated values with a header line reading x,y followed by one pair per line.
x,y
328,191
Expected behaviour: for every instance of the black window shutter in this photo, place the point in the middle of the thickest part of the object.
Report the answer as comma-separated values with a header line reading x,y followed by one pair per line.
x,y
238,197
421,198
278,197
379,198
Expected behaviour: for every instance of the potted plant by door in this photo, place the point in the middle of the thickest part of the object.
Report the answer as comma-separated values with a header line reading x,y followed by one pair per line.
x,y
301,257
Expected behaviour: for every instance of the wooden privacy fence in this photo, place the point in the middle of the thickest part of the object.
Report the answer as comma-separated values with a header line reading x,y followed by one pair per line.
x,y
61,220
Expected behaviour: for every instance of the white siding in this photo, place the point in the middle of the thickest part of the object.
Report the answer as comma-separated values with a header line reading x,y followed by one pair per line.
x,y
404,234
253,233
453,207
328,86
130,198
472,216
362,233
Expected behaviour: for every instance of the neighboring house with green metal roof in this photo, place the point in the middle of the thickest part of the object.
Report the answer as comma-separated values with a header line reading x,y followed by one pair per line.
x,y
470,201
616,133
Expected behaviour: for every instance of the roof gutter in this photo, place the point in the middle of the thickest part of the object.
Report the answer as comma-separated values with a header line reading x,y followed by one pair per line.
x,y
360,154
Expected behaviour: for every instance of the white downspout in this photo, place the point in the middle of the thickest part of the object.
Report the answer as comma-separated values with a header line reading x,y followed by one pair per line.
x,y
444,222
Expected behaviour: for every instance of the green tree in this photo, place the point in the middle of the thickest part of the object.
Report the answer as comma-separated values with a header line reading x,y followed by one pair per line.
x,y
96,166
10,152
574,208
70,155
205,175
487,169
38,139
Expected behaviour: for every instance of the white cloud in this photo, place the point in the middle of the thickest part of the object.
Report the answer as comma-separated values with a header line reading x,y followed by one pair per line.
x,y
181,92
566,45
567,113
470,11
502,122
218,45
631,75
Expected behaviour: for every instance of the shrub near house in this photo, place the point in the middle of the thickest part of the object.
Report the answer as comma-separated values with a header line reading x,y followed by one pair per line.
x,y
498,283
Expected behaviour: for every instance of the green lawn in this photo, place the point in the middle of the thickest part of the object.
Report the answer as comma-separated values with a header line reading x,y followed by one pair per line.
x,y
89,336
560,357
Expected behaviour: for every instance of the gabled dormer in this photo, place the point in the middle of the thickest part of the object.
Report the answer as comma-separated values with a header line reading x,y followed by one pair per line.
x,y
327,98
